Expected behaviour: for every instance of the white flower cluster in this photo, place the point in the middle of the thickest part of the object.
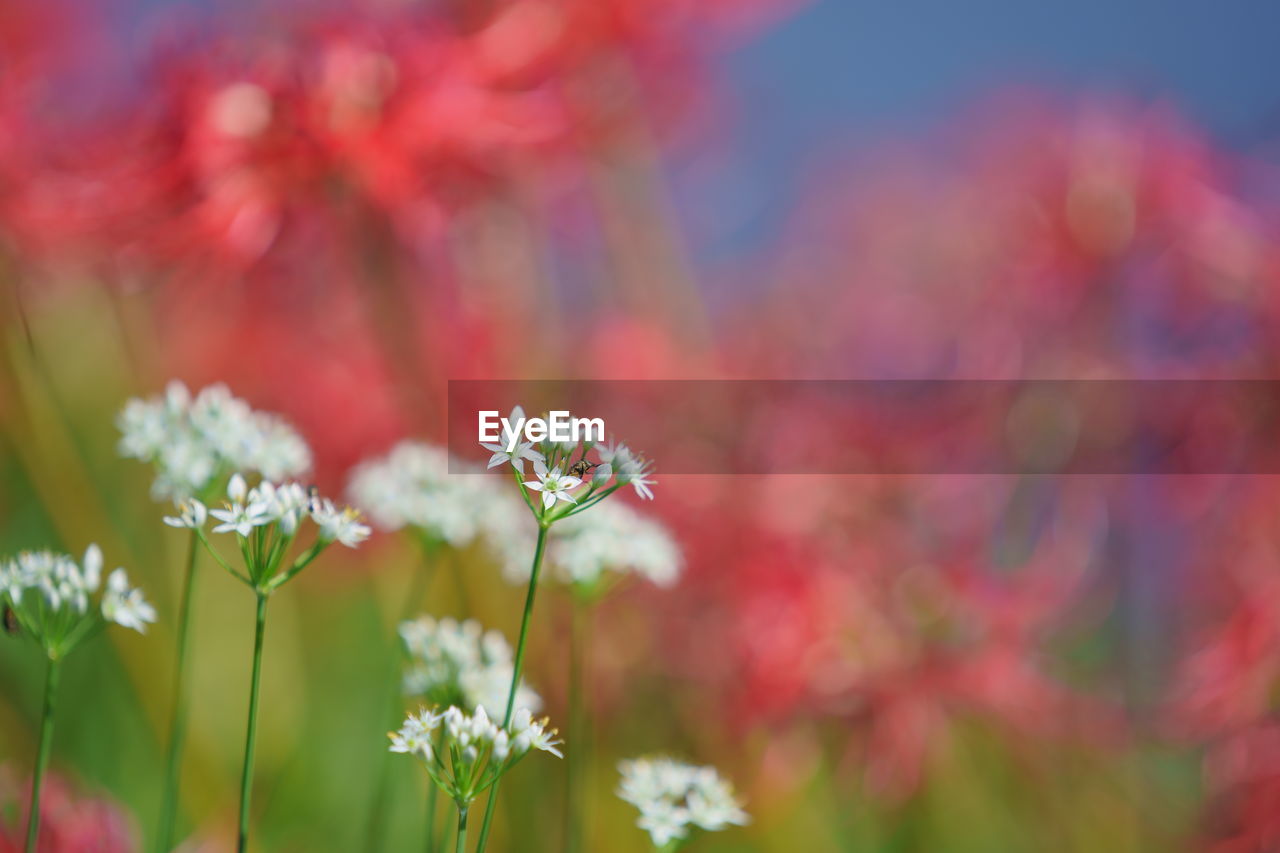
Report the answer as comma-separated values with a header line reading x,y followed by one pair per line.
x,y
193,441
466,753
415,486
611,538
268,518
49,595
286,505
675,798
459,663
561,470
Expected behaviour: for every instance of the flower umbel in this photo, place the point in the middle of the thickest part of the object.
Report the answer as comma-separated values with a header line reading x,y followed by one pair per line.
x,y
459,663
49,595
612,539
568,479
421,487
466,753
267,520
675,799
194,441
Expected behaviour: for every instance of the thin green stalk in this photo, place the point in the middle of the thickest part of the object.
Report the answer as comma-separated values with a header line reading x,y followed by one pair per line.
x,y
432,792
246,776
178,705
42,754
578,739
461,845
516,671
419,583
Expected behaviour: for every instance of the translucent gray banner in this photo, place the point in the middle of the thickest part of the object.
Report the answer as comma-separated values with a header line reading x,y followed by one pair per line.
x,y
905,427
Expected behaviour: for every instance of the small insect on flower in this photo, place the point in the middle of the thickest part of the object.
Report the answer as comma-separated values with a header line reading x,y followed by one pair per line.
x,y
582,468
11,626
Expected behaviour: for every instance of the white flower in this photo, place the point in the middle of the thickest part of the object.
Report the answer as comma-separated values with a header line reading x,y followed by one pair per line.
x,y
193,440
191,514
414,737
664,823
554,485
612,537
712,804
630,467
92,568
339,525
273,514
674,797
641,483
237,488
239,519
466,753
519,453
285,504
50,595
459,663
125,605
528,733
421,486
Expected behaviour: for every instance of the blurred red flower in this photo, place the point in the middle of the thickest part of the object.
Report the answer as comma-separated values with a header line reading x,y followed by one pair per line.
x,y
70,822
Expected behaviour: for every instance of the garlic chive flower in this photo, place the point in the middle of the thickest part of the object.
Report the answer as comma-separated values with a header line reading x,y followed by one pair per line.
x,y
629,467
459,663
50,595
554,485
519,453
676,799
194,441
465,753
613,539
341,525
124,604
421,487
191,514
267,521
567,479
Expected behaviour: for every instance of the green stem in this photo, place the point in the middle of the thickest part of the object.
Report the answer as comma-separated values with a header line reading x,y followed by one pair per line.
x,y
42,755
461,845
432,792
246,775
534,572
579,632
178,705
419,583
